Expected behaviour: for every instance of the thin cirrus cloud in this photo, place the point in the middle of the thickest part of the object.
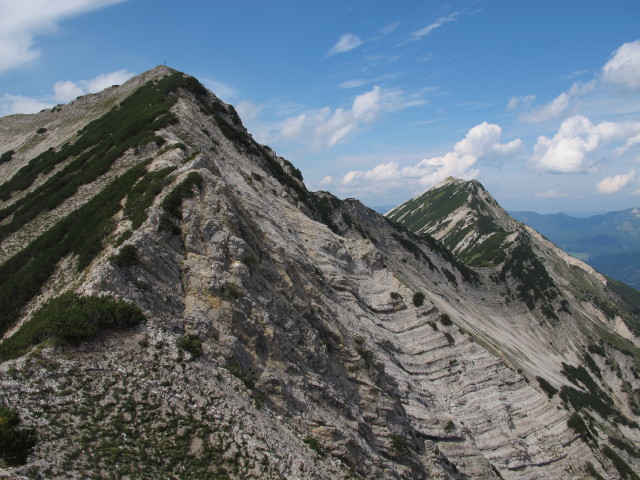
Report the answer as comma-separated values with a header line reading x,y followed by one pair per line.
x,y
423,32
21,21
346,43
572,148
551,194
480,141
63,92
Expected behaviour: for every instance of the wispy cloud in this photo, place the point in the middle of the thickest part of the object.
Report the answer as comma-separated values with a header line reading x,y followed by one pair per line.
x,y
63,92
523,101
21,21
423,32
559,105
326,127
347,42
551,194
221,89
392,27
361,82
620,74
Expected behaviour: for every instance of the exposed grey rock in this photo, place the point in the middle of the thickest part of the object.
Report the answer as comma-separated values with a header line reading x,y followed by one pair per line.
x,y
316,363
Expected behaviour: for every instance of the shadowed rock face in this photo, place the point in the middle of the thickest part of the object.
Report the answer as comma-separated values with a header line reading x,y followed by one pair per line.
x,y
288,334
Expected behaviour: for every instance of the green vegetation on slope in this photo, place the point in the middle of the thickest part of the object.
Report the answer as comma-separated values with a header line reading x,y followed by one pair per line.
x,y
81,232
535,282
143,193
15,443
133,123
431,206
6,156
70,320
100,144
172,203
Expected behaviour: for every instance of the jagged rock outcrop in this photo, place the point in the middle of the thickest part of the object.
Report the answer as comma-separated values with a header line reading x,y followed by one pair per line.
x,y
288,334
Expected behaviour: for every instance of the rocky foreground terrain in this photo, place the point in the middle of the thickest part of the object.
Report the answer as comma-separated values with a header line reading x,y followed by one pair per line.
x,y
176,304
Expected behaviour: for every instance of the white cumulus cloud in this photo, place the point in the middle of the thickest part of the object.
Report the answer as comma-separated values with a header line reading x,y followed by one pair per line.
x,y
616,183
572,148
21,21
347,42
63,92
483,140
10,104
622,71
68,90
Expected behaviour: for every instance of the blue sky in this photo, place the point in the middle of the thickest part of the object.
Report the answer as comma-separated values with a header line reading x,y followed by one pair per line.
x,y
378,100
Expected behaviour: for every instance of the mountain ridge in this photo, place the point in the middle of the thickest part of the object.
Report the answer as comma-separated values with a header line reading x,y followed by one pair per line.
x,y
288,334
609,242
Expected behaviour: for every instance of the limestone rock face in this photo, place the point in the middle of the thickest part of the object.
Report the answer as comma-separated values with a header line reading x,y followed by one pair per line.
x,y
290,334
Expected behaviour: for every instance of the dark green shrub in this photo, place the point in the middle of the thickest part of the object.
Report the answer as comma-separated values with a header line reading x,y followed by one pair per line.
x,y
126,257
172,203
143,194
69,319
400,445
536,284
450,426
597,349
191,343
15,444
576,423
81,232
593,366
41,130
622,445
259,399
245,376
314,444
549,389
324,204
250,261
445,320
6,156
591,470
450,276
366,355
622,466
418,299
395,296
449,338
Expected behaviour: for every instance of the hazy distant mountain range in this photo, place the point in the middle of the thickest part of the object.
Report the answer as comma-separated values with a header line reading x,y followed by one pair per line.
x,y
610,242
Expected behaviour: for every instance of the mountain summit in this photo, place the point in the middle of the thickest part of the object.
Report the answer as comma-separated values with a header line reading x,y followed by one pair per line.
x,y
175,303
